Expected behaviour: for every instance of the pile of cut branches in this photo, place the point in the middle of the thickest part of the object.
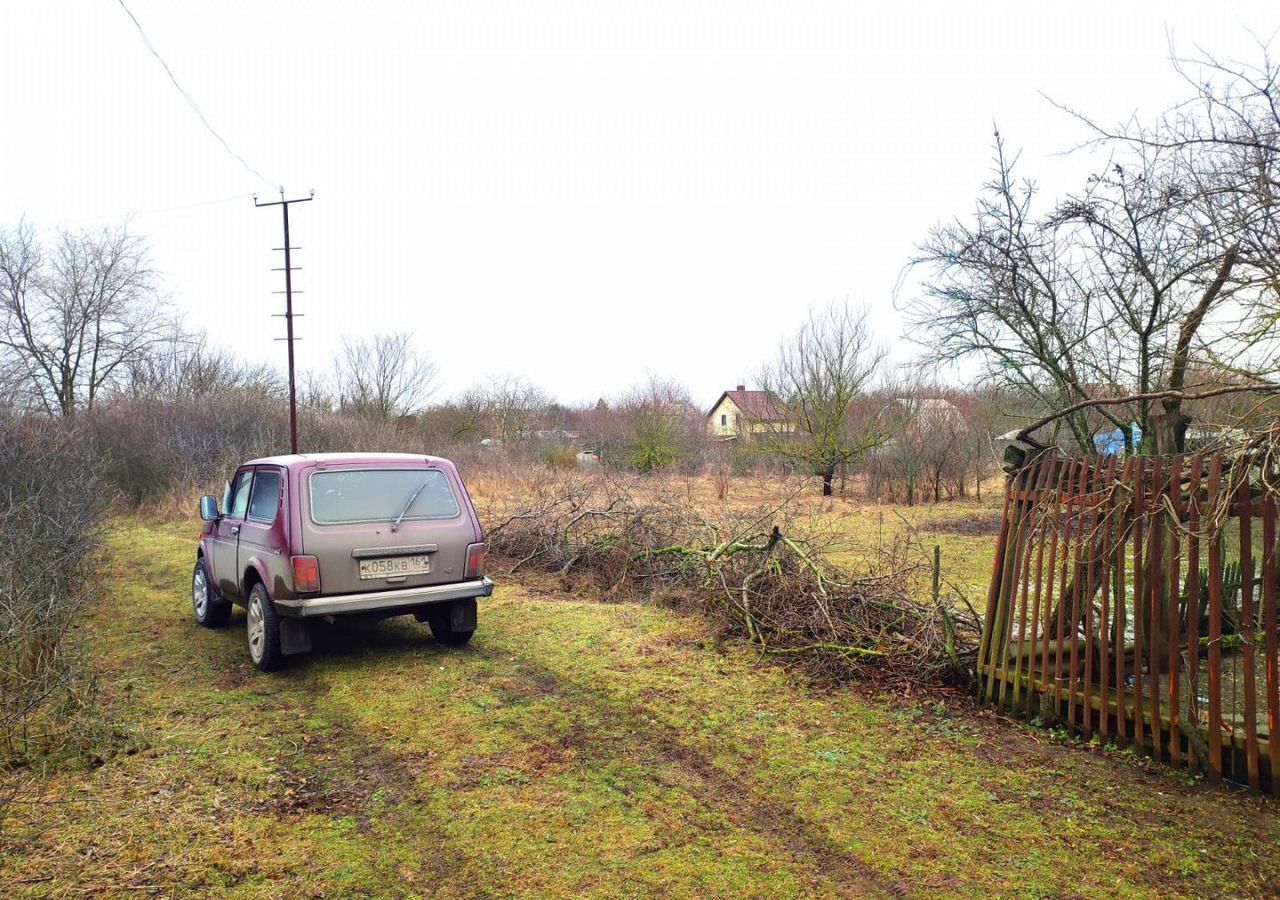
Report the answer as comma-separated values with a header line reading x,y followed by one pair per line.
x,y
766,573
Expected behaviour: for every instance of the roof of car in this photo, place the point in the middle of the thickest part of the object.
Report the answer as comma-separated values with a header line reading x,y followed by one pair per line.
x,y
298,459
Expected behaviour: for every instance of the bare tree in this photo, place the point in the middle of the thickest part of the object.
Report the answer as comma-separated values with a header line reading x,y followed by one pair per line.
x,y
986,413
511,408
1109,293
816,376
1223,140
73,319
461,419
659,424
928,447
383,376
186,366
316,392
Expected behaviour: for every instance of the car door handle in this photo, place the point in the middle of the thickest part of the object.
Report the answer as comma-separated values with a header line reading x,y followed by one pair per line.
x,y
235,529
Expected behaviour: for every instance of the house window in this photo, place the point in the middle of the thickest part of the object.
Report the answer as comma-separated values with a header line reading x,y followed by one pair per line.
x,y
724,420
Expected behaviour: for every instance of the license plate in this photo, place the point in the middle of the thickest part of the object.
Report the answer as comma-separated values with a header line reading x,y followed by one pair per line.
x,y
395,566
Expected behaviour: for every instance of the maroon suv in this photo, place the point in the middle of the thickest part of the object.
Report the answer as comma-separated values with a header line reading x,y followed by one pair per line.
x,y
337,534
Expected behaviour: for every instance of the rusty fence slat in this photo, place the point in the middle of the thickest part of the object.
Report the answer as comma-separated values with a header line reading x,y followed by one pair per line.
x,y
1138,592
1193,604
1009,594
1008,600
1269,627
1122,727
1070,525
1092,555
1248,634
991,651
1104,601
984,646
1175,510
1215,621
1154,598
1043,485
1034,538
1073,634
1064,480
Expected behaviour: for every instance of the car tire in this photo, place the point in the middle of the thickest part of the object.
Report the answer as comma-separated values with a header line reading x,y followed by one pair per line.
x,y
262,629
444,635
443,631
211,609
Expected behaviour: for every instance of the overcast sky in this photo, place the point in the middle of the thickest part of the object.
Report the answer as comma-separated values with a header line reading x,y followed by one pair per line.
x,y
578,193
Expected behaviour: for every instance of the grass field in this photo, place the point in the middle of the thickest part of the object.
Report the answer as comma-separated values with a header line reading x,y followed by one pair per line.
x,y
578,748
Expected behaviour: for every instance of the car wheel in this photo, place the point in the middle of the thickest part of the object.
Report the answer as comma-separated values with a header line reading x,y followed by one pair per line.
x,y
211,610
452,638
263,630
443,632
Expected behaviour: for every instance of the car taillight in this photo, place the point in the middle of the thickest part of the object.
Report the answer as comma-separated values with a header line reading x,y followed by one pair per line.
x,y
475,561
306,574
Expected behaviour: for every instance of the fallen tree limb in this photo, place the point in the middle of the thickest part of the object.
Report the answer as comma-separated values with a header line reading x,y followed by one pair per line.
x,y
765,574
1024,434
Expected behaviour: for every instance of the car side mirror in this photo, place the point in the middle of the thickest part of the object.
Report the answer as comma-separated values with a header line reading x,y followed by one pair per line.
x,y
209,508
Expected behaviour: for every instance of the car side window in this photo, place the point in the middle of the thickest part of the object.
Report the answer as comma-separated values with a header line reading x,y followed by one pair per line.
x,y
240,495
264,499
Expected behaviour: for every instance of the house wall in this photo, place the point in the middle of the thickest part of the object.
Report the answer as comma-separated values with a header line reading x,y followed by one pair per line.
x,y
732,416
738,424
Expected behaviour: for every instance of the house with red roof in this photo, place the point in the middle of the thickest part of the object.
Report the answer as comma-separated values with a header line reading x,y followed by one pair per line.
x,y
741,414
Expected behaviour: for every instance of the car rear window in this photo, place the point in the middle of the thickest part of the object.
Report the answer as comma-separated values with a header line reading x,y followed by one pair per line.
x,y
380,495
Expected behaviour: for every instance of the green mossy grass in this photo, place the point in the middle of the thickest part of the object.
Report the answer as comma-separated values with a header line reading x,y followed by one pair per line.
x,y
576,748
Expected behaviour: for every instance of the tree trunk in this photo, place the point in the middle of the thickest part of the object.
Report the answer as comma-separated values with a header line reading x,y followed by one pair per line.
x,y
1169,431
827,477
1176,420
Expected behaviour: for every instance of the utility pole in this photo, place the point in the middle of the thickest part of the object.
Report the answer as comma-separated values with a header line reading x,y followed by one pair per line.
x,y
288,307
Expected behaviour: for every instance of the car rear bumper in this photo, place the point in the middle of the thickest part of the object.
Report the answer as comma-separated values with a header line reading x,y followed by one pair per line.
x,y
376,601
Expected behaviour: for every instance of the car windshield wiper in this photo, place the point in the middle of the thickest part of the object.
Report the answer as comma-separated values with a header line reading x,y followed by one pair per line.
x,y
395,523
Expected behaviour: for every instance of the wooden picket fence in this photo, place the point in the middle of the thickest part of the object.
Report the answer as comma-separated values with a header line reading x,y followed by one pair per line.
x,y
1135,600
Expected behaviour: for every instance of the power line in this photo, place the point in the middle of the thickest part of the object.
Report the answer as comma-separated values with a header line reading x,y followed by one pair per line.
x,y
129,214
195,107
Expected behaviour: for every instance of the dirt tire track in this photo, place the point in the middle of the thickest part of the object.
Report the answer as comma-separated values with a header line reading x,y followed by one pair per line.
x,y
337,771
661,747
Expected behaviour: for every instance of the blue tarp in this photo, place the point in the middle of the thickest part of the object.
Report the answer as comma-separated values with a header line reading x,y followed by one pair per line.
x,y
1111,443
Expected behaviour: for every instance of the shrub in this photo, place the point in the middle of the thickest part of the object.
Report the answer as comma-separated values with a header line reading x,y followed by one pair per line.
x,y
51,506
652,452
560,457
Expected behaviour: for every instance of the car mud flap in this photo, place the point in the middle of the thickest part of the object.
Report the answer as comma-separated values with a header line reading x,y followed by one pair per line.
x,y
462,615
295,636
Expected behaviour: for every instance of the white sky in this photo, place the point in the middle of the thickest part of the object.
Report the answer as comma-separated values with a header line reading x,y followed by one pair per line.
x,y
579,193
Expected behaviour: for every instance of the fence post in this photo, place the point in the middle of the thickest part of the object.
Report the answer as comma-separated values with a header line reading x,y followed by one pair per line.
x,y
937,573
